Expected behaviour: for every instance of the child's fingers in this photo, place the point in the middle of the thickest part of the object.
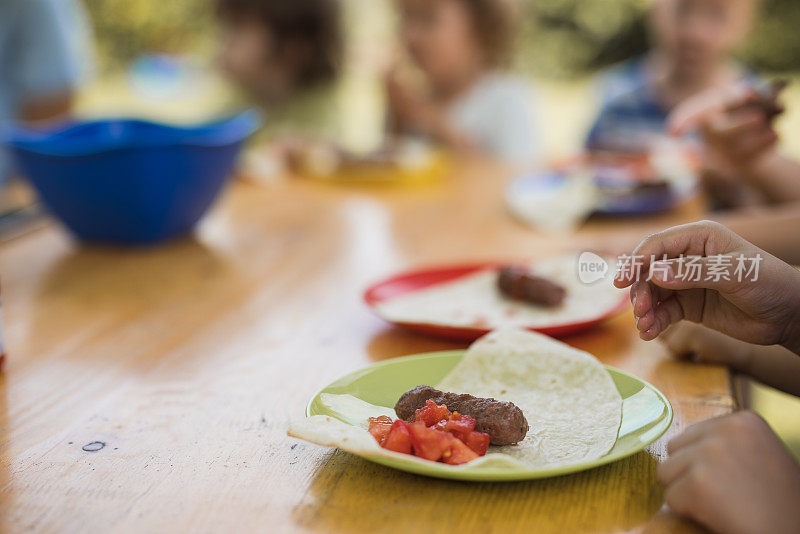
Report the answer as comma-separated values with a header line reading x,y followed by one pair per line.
x,y
748,97
642,298
754,143
667,313
733,124
702,108
654,309
677,464
697,432
688,239
645,299
624,278
676,275
650,334
691,115
646,321
691,435
742,135
627,274
660,322
670,243
630,272
649,324
681,495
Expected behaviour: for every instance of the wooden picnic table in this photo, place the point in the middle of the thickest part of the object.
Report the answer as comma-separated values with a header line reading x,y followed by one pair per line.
x,y
149,389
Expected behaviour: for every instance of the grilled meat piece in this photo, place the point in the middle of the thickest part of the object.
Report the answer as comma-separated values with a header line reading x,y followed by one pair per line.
x,y
503,421
519,284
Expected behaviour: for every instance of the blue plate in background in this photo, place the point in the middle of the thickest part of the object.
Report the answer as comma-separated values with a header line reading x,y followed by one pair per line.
x,y
635,203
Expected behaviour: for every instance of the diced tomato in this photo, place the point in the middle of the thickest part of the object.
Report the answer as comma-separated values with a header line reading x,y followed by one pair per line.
x,y
429,443
478,442
399,438
436,435
459,425
379,427
431,413
458,453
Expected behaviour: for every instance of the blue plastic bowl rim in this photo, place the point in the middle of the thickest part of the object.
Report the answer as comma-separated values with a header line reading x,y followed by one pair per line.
x,y
63,139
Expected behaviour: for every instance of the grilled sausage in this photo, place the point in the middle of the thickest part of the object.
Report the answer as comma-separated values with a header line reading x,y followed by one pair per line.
x,y
519,284
503,421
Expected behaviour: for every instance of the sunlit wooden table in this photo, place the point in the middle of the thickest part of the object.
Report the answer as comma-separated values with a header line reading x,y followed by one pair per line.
x,y
149,389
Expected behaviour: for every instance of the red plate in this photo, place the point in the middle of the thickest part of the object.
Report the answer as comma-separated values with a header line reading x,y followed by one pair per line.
x,y
411,281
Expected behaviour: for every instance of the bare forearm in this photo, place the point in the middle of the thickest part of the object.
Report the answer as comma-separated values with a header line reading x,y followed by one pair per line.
x,y
775,366
776,230
777,177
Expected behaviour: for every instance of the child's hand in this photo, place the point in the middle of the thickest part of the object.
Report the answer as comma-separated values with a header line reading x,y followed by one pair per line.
x,y
764,311
703,345
408,110
732,474
736,123
412,113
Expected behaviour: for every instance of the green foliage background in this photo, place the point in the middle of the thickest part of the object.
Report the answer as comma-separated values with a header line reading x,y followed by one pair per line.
x,y
126,28
561,38
572,37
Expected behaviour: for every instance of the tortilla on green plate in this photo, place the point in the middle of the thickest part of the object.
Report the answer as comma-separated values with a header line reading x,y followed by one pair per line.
x,y
581,414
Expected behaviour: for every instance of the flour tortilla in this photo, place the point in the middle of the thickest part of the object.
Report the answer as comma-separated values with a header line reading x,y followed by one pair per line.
x,y
475,300
570,401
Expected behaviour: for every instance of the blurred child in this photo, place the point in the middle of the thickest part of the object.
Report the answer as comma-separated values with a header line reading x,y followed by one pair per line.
x,y
692,43
735,125
43,57
285,55
732,473
466,101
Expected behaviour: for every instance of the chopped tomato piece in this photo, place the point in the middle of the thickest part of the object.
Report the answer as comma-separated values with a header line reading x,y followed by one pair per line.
x,y
436,435
429,443
478,442
458,453
459,425
399,438
379,427
431,413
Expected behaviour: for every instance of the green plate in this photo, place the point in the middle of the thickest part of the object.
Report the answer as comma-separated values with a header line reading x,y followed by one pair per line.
x,y
646,414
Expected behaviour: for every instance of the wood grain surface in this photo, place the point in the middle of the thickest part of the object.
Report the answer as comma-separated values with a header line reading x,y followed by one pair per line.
x,y
149,389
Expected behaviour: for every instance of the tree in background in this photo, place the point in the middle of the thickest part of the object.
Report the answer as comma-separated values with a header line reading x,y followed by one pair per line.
x,y
574,37
561,38
124,29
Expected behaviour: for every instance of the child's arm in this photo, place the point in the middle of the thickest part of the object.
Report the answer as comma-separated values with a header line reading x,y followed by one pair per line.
x,y
733,474
737,126
772,365
408,113
776,230
776,176
763,309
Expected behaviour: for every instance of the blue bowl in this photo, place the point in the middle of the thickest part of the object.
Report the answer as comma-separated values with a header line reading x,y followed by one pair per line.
x,y
129,181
